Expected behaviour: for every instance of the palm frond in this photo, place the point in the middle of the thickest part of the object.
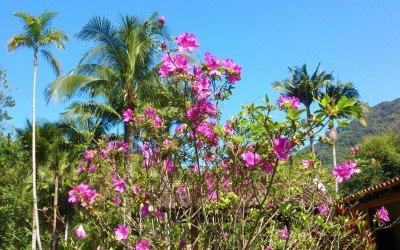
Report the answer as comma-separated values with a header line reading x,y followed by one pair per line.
x,y
55,64
19,40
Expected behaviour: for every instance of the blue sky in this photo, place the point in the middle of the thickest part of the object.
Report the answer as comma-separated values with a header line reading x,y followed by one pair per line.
x,y
358,40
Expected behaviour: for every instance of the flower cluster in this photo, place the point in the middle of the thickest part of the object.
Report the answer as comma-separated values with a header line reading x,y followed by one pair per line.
x,y
82,194
345,170
286,101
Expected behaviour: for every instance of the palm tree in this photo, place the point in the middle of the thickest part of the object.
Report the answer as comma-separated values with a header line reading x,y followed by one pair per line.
x,y
58,145
306,88
117,73
38,35
341,102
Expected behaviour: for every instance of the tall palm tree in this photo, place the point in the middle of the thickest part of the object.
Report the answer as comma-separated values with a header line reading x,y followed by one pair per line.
x,y
38,35
117,73
58,145
305,87
341,102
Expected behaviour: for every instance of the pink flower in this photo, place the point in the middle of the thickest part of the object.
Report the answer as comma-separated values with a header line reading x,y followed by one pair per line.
x,y
161,21
143,244
383,214
82,194
176,65
213,64
116,201
268,247
80,232
283,234
355,150
267,167
121,232
150,112
119,185
307,163
282,147
345,170
201,109
81,168
127,116
233,70
228,127
159,214
286,101
186,42
123,146
163,45
167,143
145,209
136,189
323,209
181,190
89,155
202,87
168,165
250,158
93,167
157,121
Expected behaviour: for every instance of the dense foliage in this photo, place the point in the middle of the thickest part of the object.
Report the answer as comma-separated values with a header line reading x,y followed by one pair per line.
x,y
179,177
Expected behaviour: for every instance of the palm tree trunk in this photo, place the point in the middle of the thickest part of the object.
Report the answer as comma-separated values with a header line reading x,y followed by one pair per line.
x,y
34,170
334,163
334,138
54,233
311,136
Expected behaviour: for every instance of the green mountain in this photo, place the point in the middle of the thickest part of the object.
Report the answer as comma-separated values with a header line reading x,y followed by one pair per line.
x,y
383,118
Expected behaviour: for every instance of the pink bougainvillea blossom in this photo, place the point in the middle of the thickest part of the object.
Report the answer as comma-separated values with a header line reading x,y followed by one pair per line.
x,y
307,163
233,70
119,185
213,64
267,167
80,232
121,232
82,194
168,165
383,214
178,64
286,101
282,147
143,244
228,127
145,210
159,214
250,158
283,234
116,201
186,42
89,155
161,20
355,150
81,168
167,143
201,109
163,45
202,87
323,209
127,116
268,247
345,170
